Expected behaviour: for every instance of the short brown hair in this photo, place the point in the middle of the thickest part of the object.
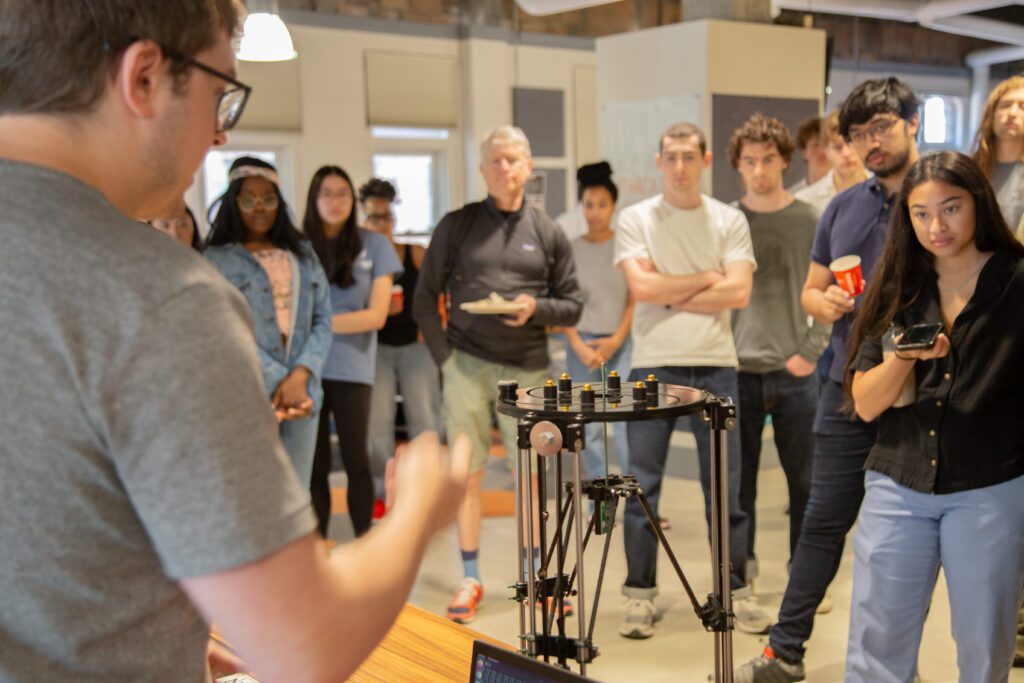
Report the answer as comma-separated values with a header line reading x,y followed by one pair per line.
x,y
56,57
684,130
809,130
761,129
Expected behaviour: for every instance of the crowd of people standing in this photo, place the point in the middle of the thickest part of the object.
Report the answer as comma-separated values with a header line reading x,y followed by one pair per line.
x,y
702,294
682,285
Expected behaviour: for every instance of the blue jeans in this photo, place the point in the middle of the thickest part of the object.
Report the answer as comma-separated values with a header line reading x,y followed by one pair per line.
x,y
841,445
410,371
593,453
791,402
648,449
902,536
299,439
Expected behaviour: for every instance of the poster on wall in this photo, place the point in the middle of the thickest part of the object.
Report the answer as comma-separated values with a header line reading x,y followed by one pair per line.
x,y
629,133
537,190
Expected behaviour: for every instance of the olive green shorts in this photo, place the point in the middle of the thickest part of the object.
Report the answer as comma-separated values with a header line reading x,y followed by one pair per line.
x,y
470,392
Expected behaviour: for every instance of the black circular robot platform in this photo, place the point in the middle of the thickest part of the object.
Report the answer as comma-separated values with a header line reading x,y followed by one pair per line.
x,y
613,401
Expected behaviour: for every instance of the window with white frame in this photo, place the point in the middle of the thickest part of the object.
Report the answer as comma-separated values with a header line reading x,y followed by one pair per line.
x,y
413,160
942,122
414,176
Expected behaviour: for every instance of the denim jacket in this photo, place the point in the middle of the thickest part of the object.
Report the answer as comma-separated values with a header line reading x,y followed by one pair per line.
x,y
311,333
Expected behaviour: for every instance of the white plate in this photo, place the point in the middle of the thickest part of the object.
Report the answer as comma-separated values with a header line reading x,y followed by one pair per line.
x,y
492,307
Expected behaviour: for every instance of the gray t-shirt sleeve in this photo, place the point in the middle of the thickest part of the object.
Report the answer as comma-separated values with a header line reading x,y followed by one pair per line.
x,y
194,440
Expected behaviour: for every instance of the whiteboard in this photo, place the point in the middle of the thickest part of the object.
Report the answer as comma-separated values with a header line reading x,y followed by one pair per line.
x,y
630,133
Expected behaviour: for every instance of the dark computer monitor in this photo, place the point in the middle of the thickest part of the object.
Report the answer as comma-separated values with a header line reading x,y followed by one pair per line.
x,y
492,664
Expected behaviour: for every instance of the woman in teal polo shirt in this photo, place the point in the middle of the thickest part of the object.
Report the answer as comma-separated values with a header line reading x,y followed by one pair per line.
x,y
360,266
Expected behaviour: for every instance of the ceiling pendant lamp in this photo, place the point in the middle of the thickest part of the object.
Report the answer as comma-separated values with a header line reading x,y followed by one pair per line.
x,y
540,8
265,38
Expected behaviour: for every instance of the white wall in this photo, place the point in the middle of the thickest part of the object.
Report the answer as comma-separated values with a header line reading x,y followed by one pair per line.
x,y
659,76
330,125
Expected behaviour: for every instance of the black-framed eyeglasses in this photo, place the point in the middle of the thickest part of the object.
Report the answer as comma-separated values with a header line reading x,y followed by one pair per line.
x,y
380,218
232,101
876,129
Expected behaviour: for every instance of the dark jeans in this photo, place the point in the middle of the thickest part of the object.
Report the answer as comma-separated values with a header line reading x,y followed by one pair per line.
x,y
349,403
648,449
791,401
841,446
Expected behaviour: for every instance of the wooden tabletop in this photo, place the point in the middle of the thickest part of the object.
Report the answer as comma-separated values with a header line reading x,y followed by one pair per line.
x,y
422,647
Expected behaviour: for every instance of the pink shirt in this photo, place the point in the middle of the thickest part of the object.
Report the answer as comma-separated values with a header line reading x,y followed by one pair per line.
x,y
278,265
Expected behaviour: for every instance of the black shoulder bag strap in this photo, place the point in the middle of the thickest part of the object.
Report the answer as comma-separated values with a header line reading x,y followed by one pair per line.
x,y
455,239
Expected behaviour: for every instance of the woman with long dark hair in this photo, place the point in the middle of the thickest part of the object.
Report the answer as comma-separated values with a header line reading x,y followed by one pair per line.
x,y
253,242
945,479
360,266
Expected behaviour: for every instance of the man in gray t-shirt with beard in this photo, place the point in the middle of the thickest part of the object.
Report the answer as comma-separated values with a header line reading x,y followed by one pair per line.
x,y
144,491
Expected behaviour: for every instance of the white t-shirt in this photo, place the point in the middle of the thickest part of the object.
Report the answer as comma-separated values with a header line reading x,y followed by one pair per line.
x,y
797,186
819,193
682,242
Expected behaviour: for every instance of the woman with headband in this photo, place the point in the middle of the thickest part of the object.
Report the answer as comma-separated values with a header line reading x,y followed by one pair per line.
x,y
253,242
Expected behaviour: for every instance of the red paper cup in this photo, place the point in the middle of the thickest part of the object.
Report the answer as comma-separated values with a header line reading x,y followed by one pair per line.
x,y
848,274
398,296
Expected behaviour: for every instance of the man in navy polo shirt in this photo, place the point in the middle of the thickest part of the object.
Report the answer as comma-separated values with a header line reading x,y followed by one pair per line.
x,y
880,121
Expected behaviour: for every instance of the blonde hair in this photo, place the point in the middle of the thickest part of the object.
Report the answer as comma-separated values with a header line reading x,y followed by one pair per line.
x,y
829,127
505,135
985,141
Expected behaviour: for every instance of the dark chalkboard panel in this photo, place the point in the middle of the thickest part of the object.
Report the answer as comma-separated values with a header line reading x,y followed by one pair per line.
x,y
541,115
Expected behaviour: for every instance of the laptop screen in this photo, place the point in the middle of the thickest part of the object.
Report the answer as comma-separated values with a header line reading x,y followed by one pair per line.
x,y
492,664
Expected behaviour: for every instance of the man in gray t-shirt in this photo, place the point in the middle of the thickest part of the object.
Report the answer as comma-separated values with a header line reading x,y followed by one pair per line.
x,y
144,491
776,346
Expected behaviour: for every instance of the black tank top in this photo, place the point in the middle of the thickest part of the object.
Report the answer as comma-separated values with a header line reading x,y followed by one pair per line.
x,y
400,329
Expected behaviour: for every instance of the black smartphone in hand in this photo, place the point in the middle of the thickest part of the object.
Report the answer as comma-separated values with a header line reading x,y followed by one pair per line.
x,y
919,337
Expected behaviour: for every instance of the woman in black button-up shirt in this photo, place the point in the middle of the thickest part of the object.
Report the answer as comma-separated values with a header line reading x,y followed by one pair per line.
x,y
945,479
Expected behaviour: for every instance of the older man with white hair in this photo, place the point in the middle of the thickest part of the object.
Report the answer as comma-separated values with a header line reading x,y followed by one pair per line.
x,y
500,245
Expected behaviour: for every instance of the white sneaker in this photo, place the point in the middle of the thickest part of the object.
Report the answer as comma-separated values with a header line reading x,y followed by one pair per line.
x,y
750,616
638,621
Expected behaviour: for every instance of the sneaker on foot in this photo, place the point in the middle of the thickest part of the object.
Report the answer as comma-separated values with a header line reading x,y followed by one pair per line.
x,y
638,621
750,616
825,606
767,668
463,606
567,608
